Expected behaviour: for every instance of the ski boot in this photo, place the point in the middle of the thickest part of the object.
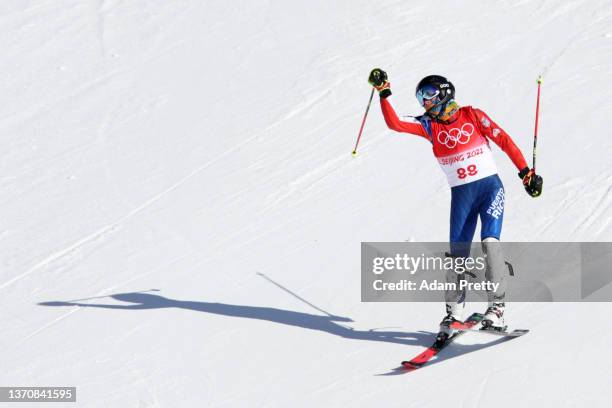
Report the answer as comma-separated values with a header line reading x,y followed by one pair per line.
x,y
454,313
494,317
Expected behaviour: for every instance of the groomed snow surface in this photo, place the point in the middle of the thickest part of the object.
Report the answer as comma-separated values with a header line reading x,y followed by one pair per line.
x,y
181,217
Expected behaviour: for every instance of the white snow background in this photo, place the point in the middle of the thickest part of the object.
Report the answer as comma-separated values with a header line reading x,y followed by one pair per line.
x,y
173,160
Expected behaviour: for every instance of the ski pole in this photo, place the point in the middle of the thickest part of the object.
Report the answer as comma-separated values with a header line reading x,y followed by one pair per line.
x,y
535,133
354,153
292,293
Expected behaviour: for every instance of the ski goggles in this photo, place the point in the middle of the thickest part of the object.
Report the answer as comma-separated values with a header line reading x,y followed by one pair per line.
x,y
427,93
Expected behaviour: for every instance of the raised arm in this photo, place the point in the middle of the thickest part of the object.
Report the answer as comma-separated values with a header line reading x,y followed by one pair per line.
x,y
394,122
378,79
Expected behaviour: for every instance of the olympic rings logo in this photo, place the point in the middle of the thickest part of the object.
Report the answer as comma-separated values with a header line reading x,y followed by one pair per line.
x,y
456,135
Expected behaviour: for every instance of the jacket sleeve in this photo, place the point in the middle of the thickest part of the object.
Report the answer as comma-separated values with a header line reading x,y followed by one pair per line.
x,y
404,125
493,132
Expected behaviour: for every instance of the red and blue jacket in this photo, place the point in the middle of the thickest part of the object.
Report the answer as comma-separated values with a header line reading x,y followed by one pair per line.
x,y
461,146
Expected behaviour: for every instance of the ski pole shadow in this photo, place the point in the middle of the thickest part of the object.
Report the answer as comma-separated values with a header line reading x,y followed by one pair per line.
x,y
452,351
331,324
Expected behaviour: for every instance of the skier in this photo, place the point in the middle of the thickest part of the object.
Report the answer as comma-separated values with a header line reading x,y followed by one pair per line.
x,y
460,142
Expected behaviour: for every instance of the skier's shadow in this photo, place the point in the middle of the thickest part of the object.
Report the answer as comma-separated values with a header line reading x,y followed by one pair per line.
x,y
329,323
326,323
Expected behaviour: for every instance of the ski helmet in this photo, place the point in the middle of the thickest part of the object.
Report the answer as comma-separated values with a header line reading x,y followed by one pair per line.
x,y
435,88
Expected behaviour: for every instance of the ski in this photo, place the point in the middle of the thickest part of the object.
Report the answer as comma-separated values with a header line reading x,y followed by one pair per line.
x,y
513,333
475,319
441,342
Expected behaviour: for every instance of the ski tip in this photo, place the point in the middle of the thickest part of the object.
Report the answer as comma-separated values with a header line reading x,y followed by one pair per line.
x,y
409,366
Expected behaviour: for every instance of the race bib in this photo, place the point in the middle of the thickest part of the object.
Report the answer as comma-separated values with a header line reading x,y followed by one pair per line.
x,y
469,165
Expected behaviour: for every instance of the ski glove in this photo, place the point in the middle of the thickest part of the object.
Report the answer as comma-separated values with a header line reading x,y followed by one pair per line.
x,y
531,181
378,79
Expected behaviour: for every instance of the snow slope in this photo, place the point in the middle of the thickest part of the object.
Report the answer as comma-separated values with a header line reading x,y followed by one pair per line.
x,y
182,171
